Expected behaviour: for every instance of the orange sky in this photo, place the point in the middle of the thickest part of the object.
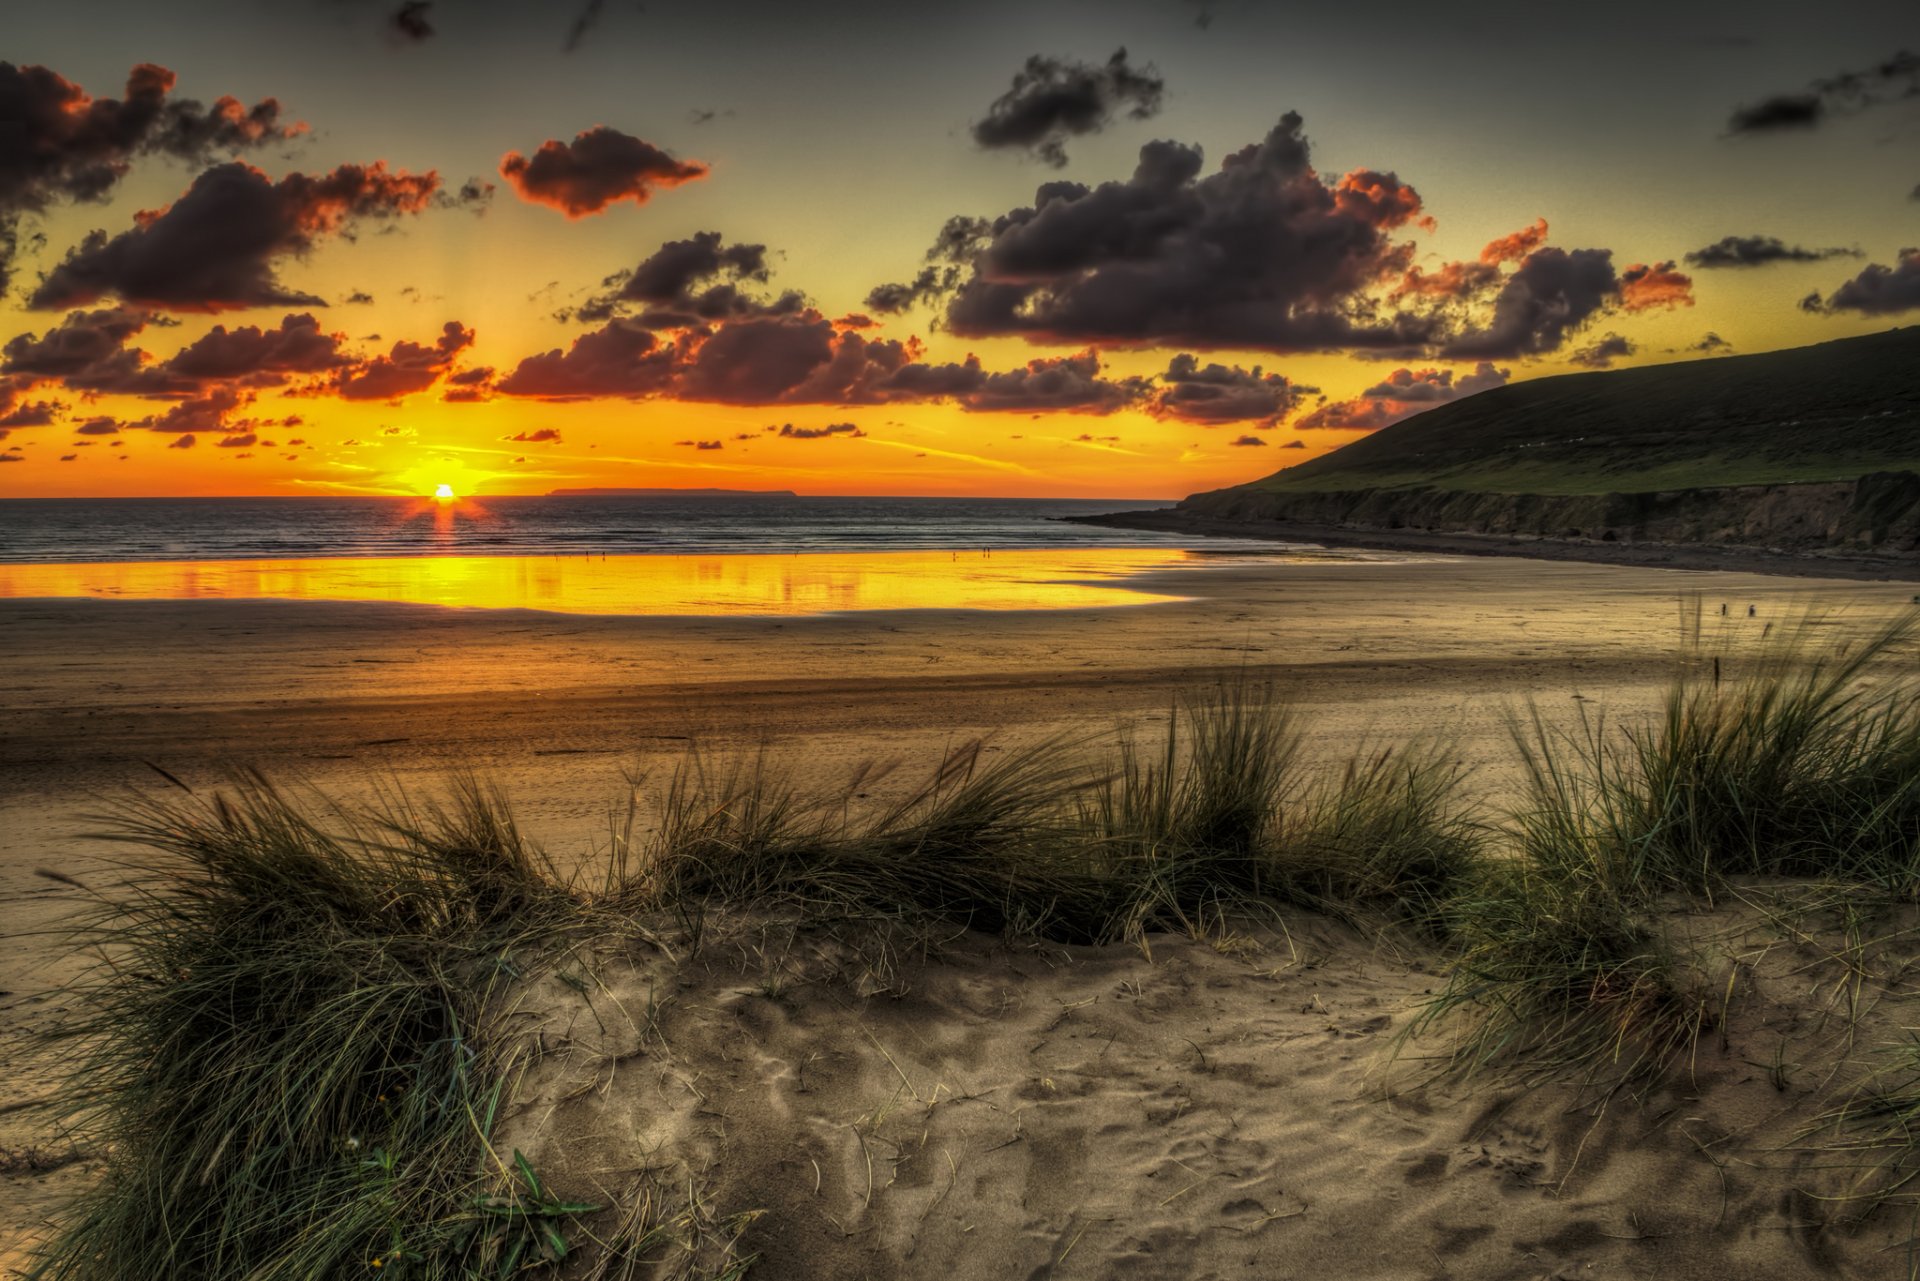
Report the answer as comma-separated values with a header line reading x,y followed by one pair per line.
x,y
285,291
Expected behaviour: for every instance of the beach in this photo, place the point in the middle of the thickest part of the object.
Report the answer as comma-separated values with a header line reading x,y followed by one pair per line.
x,y
562,709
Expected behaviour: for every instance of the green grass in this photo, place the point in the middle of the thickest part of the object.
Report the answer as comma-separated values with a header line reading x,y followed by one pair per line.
x,y
1833,411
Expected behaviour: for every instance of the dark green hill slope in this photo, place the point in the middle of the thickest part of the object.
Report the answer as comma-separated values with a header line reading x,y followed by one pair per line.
x,y
1835,411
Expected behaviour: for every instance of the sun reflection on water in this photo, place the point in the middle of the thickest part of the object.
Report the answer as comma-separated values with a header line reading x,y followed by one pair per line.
x,y
810,583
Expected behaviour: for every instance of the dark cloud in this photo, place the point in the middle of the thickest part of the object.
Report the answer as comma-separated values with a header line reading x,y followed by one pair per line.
x,y
1247,440
617,360
687,326
29,413
88,351
98,427
1261,254
701,444
216,247
183,442
1053,100
1711,342
469,385
408,368
260,356
1402,394
358,298
1895,79
1877,291
1551,294
538,436
245,440
1221,393
689,283
583,22
790,432
1758,251
1780,112
212,412
1602,353
58,144
1070,384
599,168
1265,255
411,21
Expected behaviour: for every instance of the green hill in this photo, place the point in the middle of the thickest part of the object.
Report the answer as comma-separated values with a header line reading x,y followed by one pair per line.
x,y
1835,411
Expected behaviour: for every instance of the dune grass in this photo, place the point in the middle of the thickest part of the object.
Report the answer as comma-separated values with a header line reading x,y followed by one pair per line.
x,y
285,1046
290,1039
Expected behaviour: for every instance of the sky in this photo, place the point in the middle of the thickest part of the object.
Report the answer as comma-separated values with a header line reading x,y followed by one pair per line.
x,y
1139,248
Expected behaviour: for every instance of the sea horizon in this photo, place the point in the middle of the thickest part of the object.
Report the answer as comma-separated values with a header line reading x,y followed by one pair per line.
x,y
68,530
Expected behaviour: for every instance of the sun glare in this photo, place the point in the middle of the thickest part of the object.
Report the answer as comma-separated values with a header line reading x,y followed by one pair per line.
x,y
443,493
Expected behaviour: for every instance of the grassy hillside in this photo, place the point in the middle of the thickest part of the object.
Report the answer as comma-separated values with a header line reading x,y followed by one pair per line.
x,y
1834,411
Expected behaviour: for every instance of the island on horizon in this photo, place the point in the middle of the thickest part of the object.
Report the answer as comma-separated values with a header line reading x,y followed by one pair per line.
x,y
668,492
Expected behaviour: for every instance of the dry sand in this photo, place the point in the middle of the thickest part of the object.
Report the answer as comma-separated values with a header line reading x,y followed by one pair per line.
x,y
558,708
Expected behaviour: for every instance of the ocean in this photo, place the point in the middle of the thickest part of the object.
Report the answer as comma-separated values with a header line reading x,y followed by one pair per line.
x,y
57,530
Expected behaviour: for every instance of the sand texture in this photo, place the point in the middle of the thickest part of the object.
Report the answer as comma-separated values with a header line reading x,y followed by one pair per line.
x,y
1205,1112
1284,1115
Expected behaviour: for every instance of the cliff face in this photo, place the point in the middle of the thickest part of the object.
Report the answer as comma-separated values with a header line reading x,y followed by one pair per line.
x,y
1879,513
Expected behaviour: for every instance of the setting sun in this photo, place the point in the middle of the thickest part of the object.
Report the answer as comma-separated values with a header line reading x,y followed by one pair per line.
x,y
444,493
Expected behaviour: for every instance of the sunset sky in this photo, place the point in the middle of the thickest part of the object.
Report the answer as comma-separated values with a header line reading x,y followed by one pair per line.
x,y
1103,249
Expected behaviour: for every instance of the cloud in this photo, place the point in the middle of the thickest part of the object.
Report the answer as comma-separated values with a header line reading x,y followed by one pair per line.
x,y
87,351
706,444
538,436
1643,287
1550,295
599,168
1402,394
1758,251
261,356
1515,247
688,327
410,20
1602,353
1220,393
692,282
408,368
36,413
1711,342
1895,79
98,427
469,385
1877,291
216,248
1053,100
1247,440
617,360
209,413
1262,254
789,432
245,440
184,442
1058,384
60,145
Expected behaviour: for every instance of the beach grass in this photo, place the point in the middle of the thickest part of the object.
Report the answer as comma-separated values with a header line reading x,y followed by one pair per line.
x,y
292,1043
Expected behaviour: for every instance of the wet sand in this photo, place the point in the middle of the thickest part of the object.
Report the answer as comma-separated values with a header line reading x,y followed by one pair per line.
x,y
561,708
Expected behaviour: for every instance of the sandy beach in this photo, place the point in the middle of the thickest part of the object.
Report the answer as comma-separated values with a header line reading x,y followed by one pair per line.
x,y
559,709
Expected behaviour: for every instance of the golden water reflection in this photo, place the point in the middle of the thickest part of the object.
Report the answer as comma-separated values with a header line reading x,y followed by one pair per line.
x,y
812,583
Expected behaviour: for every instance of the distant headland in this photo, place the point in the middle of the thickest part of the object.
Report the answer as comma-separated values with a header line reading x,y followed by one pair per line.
x,y
671,493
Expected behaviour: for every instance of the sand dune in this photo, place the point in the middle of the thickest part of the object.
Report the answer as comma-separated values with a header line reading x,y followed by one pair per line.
x,y
1206,1112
